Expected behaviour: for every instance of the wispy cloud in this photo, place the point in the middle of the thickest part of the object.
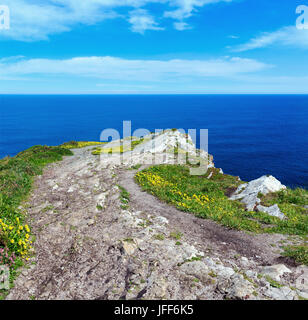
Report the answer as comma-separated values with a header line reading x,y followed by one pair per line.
x,y
141,21
287,36
185,8
113,68
33,20
181,26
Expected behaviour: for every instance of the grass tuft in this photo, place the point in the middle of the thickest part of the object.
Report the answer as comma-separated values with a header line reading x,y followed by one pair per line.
x,y
298,253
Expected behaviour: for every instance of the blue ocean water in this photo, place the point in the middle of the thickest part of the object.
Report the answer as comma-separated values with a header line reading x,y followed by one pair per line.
x,y
249,135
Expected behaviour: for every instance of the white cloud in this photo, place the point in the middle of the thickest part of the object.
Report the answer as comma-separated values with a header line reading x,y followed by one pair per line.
x,y
181,26
113,68
33,20
141,21
185,8
287,36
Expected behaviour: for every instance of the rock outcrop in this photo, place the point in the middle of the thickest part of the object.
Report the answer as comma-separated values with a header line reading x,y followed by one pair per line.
x,y
248,193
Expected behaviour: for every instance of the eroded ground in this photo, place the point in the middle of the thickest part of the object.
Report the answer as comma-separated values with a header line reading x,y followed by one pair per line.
x,y
88,247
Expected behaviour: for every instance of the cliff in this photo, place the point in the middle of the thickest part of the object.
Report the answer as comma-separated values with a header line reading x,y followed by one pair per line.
x,y
128,220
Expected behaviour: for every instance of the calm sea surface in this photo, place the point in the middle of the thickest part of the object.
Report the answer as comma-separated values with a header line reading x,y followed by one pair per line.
x,y
249,135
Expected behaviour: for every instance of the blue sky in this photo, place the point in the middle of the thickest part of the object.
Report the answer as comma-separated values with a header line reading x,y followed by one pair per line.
x,y
154,46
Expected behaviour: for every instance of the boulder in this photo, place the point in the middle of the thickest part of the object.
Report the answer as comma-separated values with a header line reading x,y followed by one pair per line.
x,y
273,211
197,269
248,192
275,271
283,293
236,287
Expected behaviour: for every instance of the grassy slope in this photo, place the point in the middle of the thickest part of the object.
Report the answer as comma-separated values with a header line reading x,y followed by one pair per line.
x,y
16,179
207,198
176,182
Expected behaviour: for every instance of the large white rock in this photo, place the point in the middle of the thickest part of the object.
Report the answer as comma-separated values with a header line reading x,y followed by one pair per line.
x,y
165,141
248,192
160,146
273,211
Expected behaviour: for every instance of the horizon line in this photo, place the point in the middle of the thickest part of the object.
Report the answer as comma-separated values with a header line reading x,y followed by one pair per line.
x,y
140,93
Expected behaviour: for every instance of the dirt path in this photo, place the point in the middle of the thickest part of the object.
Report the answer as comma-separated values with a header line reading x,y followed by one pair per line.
x,y
88,247
205,234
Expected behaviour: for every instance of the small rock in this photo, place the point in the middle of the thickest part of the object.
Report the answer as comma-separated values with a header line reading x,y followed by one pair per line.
x,y
275,271
251,274
301,282
91,222
239,288
244,261
224,272
302,294
195,268
129,247
162,220
158,288
283,293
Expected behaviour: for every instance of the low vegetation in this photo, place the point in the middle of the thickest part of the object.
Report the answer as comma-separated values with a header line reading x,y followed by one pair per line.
x,y
298,253
16,178
79,144
124,197
298,197
207,197
121,148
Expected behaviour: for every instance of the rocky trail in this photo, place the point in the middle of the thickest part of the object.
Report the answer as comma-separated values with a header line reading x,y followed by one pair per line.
x,y
88,247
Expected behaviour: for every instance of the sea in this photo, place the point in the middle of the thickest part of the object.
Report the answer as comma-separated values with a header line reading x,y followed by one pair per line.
x,y
249,135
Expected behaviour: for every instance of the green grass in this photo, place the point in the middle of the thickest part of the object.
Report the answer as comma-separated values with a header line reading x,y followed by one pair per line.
x,y
136,167
298,253
117,149
124,197
159,237
297,197
16,178
79,144
208,198
176,235
273,283
16,174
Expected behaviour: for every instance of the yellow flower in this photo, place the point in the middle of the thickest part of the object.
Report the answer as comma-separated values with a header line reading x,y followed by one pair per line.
x,y
12,241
